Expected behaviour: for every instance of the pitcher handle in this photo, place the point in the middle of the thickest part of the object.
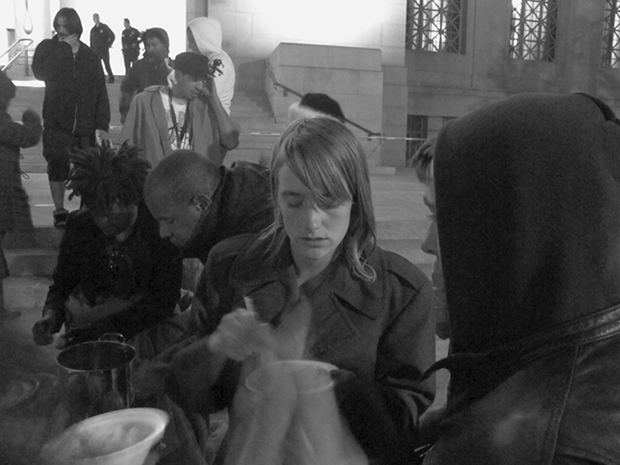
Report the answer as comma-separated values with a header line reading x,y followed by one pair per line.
x,y
115,337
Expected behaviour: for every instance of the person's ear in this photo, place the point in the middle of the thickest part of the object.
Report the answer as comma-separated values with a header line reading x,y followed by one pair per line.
x,y
202,202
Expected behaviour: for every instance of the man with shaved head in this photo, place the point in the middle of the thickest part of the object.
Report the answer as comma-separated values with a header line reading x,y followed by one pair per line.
x,y
197,204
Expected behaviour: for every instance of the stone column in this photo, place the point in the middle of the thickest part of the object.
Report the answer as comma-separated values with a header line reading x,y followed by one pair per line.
x,y
33,20
196,8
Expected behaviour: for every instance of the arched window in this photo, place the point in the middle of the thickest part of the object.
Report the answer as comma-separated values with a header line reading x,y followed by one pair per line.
x,y
436,25
533,29
611,35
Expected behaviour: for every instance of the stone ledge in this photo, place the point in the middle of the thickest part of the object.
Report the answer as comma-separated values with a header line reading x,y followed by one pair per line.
x,y
26,292
32,262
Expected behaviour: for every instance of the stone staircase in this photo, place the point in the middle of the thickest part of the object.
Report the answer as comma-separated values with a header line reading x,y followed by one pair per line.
x,y
401,215
259,130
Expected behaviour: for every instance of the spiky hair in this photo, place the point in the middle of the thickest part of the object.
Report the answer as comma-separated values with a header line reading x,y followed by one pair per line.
x,y
103,175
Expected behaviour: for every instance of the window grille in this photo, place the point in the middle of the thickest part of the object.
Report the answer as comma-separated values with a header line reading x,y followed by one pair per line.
x,y
533,29
436,25
611,35
417,128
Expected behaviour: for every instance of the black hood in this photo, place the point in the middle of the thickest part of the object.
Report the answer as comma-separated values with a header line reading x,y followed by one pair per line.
x,y
528,209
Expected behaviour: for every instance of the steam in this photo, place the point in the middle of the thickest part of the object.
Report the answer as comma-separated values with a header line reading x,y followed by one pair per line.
x,y
285,408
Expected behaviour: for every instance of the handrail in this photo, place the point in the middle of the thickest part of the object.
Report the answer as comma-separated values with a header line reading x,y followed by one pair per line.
x,y
287,89
17,55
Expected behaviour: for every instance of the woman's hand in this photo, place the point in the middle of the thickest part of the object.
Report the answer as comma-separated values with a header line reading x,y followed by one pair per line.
x,y
240,335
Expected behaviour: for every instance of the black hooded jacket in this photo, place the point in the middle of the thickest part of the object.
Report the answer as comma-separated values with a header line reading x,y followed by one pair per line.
x,y
76,97
528,211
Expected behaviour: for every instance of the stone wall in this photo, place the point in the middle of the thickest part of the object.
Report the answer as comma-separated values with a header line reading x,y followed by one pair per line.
x,y
352,76
449,85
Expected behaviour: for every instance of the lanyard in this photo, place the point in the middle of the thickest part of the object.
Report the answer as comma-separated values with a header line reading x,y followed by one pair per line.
x,y
179,135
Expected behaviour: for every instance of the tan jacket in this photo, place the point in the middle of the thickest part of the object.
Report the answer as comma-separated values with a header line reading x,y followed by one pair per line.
x,y
146,126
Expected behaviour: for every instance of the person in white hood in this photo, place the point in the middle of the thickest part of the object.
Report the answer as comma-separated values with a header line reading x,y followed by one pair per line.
x,y
204,36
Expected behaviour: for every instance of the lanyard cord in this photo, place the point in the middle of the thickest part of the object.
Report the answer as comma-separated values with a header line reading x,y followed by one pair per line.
x,y
179,136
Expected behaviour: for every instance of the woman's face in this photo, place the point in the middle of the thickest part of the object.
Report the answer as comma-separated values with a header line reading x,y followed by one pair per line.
x,y
315,233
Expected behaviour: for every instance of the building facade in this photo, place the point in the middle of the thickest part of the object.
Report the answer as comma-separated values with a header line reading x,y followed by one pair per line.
x,y
399,68
492,49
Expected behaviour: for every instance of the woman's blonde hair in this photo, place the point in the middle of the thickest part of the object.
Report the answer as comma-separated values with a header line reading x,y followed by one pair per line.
x,y
329,160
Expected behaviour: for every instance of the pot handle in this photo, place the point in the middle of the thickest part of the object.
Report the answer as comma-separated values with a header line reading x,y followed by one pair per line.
x,y
115,337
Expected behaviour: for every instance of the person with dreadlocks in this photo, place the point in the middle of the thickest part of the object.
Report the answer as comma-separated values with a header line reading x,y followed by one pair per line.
x,y
114,272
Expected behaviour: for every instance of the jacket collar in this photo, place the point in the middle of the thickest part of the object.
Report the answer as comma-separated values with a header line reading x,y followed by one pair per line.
x,y
266,277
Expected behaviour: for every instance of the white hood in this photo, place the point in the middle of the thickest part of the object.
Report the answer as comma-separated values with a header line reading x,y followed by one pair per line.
x,y
207,34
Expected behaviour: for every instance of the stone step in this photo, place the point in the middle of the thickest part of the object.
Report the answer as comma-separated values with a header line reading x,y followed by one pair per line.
x,y
260,124
34,167
32,262
26,292
257,141
260,156
41,237
244,99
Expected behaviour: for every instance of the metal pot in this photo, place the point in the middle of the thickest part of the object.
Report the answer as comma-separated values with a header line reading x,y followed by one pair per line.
x,y
96,376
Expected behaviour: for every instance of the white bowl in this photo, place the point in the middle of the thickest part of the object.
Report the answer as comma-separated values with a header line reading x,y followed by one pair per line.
x,y
122,437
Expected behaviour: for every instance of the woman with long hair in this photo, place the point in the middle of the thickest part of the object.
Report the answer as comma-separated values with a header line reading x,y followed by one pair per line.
x,y
314,286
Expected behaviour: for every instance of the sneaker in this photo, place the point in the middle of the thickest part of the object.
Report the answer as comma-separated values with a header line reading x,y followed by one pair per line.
x,y
60,218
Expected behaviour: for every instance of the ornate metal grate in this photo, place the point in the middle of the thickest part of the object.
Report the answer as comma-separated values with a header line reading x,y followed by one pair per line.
x,y
435,25
610,57
533,29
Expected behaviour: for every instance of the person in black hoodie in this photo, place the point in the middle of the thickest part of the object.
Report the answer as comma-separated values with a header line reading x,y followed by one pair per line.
x,y
527,201
76,102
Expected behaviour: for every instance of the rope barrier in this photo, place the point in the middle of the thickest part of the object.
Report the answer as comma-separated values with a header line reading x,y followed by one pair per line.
x,y
255,133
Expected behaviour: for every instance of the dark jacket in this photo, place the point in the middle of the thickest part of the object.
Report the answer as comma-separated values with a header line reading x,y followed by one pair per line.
x,y
527,196
241,204
149,265
130,39
144,73
381,332
101,37
76,98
